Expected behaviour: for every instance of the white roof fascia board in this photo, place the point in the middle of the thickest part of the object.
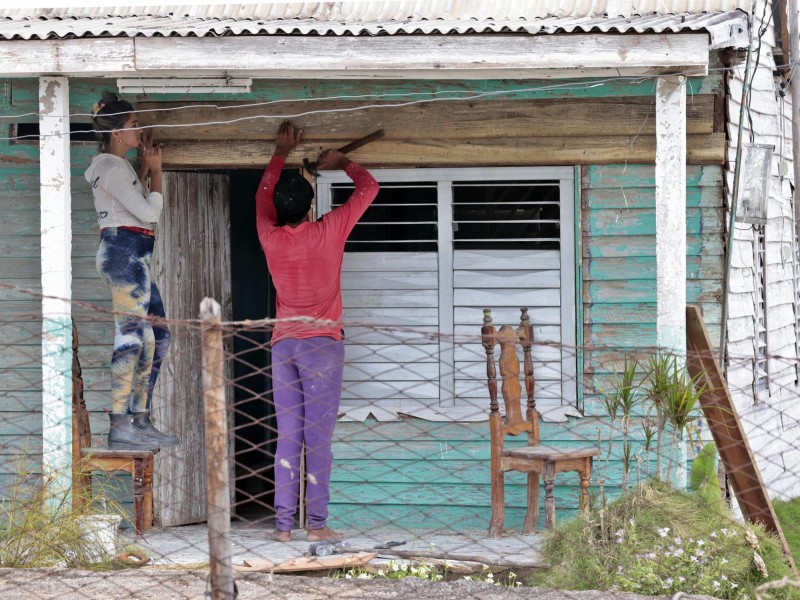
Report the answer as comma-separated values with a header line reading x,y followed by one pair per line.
x,y
91,57
402,57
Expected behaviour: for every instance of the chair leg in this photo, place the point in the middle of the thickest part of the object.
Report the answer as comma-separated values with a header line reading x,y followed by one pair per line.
x,y
81,489
586,474
148,493
138,495
532,514
549,477
498,505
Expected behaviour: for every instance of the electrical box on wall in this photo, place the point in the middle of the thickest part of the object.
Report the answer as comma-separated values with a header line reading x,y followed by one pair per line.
x,y
754,183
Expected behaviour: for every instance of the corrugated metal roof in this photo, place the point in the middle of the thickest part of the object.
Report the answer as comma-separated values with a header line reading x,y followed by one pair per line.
x,y
726,25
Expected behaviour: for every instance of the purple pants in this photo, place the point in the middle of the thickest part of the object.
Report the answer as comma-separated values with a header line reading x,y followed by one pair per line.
x,y
307,387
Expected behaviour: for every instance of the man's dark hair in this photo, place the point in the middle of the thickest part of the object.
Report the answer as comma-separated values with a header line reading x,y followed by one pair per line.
x,y
293,196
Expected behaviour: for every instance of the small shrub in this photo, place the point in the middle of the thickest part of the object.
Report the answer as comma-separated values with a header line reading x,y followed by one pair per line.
x,y
657,540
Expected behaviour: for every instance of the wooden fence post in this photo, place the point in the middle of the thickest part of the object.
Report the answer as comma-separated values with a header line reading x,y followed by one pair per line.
x,y
216,435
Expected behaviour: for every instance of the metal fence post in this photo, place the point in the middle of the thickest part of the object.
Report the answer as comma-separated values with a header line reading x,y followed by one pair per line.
x,y
216,436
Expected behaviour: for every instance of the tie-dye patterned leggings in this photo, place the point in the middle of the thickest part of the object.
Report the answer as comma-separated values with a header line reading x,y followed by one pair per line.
x,y
123,260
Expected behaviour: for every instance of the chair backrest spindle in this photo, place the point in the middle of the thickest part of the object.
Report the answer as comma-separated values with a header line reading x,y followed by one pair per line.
x,y
526,337
516,419
488,341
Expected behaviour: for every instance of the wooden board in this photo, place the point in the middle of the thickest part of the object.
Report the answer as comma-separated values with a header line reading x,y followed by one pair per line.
x,y
191,261
729,435
307,563
701,149
334,123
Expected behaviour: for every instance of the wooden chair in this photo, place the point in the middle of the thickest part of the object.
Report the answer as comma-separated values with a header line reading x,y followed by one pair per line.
x,y
532,459
87,459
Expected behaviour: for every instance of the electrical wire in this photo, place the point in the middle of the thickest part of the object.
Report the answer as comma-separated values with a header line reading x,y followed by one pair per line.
x,y
434,96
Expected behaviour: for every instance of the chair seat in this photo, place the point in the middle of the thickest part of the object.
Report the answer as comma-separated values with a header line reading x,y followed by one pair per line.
x,y
549,452
101,452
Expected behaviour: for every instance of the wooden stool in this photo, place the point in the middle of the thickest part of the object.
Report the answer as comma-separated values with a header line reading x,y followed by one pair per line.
x,y
87,459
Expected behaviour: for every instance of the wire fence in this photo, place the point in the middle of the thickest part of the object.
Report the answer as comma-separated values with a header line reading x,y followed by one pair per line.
x,y
404,457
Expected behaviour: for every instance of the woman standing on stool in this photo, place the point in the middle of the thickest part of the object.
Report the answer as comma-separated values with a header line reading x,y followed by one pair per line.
x,y
127,214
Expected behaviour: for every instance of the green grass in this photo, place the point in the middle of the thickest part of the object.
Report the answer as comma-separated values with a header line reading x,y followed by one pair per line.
x,y
657,540
789,518
39,527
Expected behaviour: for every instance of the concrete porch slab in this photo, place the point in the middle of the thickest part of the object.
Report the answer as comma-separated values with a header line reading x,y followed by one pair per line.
x,y
187,546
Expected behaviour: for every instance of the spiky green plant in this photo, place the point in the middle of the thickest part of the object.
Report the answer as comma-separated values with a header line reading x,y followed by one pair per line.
x,y
621,401
39,527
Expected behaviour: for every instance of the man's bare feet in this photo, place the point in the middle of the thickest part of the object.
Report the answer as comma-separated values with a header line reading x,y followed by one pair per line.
x,y
281,536
323,534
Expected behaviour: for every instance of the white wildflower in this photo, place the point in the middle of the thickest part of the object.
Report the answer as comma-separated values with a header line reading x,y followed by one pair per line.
x,y
663,531
760,564
751,538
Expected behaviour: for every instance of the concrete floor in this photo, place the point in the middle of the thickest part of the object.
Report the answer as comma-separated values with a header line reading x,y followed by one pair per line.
x,y
187,546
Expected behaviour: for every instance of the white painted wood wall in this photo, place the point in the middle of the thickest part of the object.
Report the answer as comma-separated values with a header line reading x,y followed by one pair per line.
x,y
773,424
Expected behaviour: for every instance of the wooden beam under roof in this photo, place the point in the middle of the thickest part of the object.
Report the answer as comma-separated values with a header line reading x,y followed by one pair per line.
x,y
451,152
338,122
480,56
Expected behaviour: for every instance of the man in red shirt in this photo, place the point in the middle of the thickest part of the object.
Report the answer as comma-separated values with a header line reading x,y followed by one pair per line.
x,y
304,258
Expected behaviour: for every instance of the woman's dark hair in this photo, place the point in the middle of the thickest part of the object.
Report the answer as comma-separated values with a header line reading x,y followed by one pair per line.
x,y
109,113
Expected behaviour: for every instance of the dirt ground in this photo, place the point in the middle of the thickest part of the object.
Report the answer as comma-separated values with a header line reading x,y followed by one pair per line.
x,y
162,584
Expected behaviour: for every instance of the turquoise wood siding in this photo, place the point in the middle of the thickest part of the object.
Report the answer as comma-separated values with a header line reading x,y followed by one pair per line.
x,y
20,353
418,474
618,256
412,473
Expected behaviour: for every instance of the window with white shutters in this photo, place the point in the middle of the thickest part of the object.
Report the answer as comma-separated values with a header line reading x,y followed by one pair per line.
x,y
437,247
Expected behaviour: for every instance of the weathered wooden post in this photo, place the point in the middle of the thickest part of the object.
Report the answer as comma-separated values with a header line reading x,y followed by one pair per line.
x,y
216,434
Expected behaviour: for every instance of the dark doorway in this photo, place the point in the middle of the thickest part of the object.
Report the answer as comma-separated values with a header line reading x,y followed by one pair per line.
x,y
253,297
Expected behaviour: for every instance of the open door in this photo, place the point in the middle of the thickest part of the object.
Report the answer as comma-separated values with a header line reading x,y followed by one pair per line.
x,y
191,261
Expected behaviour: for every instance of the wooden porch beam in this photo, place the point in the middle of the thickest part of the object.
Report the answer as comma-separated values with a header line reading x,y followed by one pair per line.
x,y
56,266
384,57
708,149
671,214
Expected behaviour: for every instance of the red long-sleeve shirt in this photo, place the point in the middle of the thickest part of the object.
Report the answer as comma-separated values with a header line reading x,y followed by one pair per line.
x,y
305,262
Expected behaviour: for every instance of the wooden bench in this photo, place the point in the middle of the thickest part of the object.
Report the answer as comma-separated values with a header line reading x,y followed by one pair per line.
x,y
532,459
87,459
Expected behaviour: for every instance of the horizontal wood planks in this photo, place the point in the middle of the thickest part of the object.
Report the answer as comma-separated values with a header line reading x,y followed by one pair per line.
x,y
487,130
419,474
619,261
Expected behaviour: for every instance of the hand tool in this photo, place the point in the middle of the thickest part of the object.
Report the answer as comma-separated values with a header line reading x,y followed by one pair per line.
x,y
375,135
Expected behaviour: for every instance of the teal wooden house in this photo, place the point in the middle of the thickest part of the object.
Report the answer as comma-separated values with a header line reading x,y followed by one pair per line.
x,y
581,164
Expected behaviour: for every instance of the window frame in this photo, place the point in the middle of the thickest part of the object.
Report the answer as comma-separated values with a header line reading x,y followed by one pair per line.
x,y
444,178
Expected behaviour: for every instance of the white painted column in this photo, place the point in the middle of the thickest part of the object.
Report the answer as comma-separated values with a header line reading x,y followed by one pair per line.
x,y
671,214
56,249
671,239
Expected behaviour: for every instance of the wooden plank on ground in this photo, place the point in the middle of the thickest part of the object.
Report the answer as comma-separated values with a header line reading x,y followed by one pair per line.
x,y
307,563
729,436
